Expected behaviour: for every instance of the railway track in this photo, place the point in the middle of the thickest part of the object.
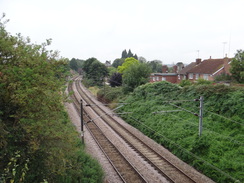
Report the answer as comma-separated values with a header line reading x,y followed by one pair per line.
x,y
124,168
171,172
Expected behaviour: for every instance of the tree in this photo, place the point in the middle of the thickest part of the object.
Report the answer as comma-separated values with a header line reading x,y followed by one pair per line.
x,y
142,60
124,54
135,75
73,64
130,54
95,71
135,56
37,142
115,79
118,62
237,66
127,63
156,66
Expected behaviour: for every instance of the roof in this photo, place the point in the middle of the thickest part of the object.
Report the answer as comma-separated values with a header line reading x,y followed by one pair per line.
x,y
208,66
164,74
187,68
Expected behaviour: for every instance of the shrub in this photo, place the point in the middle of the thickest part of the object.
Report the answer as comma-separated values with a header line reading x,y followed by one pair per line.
x,y
185,82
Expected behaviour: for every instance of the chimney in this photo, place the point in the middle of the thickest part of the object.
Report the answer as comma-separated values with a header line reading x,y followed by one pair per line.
x,y
175,69
164,69
198,61
226,65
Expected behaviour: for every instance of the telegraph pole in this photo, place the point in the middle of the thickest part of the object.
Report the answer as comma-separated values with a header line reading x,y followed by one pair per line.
x,y
200,115
81,121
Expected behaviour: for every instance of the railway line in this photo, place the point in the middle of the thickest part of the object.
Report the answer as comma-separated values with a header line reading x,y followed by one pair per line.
x,y
126,171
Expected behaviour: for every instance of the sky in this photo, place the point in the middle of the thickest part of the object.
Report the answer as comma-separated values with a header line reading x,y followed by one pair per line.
x,y
168,30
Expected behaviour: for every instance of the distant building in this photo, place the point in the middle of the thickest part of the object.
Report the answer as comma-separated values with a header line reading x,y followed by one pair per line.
x,y
170,77
108,63
208,69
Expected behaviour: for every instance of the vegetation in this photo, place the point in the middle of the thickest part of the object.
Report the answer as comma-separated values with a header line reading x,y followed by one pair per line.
x,y
38,143
115,79
223,78
76,64
218,152
127,63
110,94
134,76
118,62
94,72
129,54
237,66
156,66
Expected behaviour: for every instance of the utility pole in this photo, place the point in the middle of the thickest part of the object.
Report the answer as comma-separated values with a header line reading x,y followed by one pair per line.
x,y
81,121
200,115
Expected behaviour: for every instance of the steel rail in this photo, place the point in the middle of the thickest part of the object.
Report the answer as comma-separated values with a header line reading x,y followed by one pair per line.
x,y
125,170
164,166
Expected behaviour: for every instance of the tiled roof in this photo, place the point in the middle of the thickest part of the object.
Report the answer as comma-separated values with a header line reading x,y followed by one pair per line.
x,y
208,66
187,68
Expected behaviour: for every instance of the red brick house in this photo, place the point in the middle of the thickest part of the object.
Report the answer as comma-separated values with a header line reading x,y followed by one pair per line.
x,y
170,77
208,69
182,74
165,76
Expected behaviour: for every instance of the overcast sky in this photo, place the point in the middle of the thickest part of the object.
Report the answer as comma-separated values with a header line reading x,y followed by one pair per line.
x,y
166,30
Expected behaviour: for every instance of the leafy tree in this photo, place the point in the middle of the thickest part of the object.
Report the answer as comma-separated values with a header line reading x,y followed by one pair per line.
x,y
127,63
37,142
237,66
73,64
111,71
135,75
156,66
95,71
118,62
142,60
115,79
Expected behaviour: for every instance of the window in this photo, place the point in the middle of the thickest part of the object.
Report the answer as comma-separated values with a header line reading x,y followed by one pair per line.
x,y
197,76
157,78
178,76
191,76
163,79
205,76
153,78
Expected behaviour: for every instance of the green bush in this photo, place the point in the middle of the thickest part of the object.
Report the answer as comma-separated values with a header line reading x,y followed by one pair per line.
x,y
185,82
221,145
38,143
201,81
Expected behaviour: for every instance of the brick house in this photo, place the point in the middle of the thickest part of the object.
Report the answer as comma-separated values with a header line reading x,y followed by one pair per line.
x,y
208,69
182,74
170,77
165,76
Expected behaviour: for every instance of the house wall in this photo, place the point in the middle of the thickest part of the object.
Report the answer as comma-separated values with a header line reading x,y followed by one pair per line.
x,y
157,78
181,77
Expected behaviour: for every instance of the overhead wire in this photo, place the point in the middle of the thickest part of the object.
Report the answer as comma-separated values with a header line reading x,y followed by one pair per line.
x,y
225,117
